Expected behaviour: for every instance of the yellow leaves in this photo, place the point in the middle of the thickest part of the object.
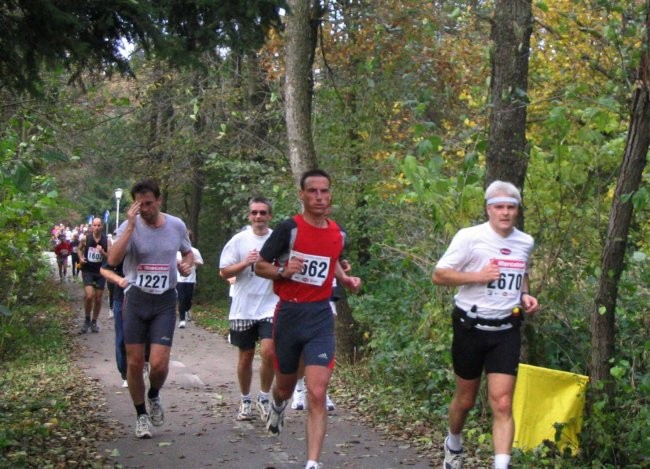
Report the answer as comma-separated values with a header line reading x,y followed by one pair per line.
x,y
469,123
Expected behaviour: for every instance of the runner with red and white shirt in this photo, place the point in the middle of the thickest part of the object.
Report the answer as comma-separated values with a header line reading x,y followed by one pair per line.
x,y
302,258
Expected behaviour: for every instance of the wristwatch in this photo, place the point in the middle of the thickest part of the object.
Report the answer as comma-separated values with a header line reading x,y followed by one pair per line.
x,y
280,271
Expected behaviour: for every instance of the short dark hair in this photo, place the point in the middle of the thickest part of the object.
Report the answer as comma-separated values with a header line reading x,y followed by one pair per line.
x,y
312,173
146,185
258,199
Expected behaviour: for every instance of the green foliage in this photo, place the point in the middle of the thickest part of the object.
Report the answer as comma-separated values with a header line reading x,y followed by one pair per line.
x,y
81,36
26,199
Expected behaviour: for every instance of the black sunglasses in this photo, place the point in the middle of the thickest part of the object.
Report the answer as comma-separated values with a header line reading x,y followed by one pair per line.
x,y
258,212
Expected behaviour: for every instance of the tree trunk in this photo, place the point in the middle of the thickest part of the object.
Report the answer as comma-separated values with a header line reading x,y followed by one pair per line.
x,y
507,157
301,36
634,160
300,40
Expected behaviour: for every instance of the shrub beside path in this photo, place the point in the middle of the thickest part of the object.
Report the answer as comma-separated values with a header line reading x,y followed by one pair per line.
x,y
201,398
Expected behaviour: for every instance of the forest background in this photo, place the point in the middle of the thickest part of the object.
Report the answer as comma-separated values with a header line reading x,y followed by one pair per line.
x,y
400,112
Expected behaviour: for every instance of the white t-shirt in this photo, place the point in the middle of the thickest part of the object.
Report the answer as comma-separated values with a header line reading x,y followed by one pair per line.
x,y
252,296
471,249
198,260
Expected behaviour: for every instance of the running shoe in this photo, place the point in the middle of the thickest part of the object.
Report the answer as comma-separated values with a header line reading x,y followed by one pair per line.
x,y
329,404
263,406
298,401
125,384
181,325
143,426
156,411
94,327
453,459
245,411
315,466
275,420
85,326
110,313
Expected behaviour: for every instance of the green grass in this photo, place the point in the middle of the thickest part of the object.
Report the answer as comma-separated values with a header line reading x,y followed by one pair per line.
x,y
213,317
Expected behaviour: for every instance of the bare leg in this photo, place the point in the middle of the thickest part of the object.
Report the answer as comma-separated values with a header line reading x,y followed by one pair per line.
x,y
501,388
245,370
317,378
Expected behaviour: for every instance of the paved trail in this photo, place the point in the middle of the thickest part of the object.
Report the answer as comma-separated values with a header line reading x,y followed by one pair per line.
x,y
200,399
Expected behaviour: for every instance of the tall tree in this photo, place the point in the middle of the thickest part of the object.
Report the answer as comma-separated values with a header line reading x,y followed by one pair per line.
x,y
603,317
301,28
84,36
507,157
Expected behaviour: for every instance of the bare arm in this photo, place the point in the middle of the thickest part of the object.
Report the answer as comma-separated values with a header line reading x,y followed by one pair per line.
x,y
113,277
233,270
454,278
186,263
529,302
118,248
80,251
266,269
351,283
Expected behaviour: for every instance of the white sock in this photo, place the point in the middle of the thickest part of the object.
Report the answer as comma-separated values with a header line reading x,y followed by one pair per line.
x,y
263,396
300,384
311,463
454,442
247,397
501,461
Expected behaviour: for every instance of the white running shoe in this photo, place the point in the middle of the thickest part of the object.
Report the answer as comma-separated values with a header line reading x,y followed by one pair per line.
x,y
125,384
245,411
298,401
275,420
110,313
329,404
263,406
156,411
143,426
453,459
181,325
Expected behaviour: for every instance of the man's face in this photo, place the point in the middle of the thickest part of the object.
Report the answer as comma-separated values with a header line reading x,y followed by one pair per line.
x,y
503,216
149,206
316,196
259,215
97,227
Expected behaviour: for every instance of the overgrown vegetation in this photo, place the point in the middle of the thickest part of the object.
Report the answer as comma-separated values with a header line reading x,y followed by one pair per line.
x,y
47,415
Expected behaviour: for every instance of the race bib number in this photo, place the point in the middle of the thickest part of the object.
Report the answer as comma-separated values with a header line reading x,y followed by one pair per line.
x,y
510,280
314,269
94,255
64,252
152,278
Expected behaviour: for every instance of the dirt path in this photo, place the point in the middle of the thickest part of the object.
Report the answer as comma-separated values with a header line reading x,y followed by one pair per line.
x,y
200,399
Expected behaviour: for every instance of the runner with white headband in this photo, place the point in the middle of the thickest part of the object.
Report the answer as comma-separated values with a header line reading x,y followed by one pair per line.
x,y
489,264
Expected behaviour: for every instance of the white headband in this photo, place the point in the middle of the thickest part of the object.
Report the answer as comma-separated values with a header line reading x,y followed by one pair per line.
x,y
502,200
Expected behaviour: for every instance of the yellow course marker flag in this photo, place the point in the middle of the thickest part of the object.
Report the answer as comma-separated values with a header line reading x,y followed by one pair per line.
x,y
543,399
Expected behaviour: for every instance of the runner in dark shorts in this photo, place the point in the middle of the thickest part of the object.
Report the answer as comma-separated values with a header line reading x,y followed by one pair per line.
x,y
147,243
302,258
